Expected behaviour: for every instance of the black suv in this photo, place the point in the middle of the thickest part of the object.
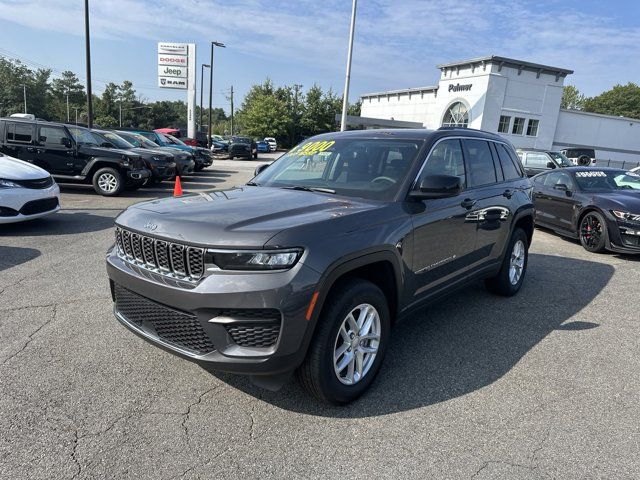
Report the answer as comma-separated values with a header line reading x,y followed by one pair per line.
x,y
242,147
308,266
71,154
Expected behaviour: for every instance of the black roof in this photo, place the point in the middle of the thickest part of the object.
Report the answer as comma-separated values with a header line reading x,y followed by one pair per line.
x,y
413,133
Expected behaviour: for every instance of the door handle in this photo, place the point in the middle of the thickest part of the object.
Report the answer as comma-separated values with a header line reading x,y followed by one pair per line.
x,y
508,193
468,203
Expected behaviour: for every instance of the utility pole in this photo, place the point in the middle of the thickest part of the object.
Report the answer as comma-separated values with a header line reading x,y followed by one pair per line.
x,y
68,107
24,89
88,55
202,67
232,110
213,44
120,113
297,88
345,98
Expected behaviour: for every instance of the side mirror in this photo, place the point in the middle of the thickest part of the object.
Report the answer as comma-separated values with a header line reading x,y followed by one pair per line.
x,y
66,142
551,165
438,186
259,169
42,139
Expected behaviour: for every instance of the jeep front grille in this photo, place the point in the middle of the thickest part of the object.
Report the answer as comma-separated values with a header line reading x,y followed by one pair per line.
x,y
167,258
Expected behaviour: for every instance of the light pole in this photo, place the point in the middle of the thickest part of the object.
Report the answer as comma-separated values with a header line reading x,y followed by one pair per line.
x,y
221,45
24,90
68,107
202,67
88,55
345,98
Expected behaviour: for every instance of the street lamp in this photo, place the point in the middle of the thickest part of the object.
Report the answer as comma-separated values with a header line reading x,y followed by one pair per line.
x,y
345,98
202,67
221,45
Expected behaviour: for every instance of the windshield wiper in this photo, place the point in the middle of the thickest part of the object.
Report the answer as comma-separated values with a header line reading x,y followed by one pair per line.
x,y
310,189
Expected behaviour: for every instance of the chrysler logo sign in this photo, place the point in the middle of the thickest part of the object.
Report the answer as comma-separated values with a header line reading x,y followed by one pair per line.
x,y
459,88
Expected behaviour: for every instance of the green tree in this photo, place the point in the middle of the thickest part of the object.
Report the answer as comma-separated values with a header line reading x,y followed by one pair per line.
x,y
67,84
621,100
320,111
355,108
572,98
263,113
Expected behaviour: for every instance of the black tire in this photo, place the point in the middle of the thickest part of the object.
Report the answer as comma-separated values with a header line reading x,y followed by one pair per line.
x,y
255,155
110,174
199,168
584,161
502,283
317,373
593,232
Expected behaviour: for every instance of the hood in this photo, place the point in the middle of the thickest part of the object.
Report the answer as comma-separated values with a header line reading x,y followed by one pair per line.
x,y
14,169
105,152
144,153
240,217
624,200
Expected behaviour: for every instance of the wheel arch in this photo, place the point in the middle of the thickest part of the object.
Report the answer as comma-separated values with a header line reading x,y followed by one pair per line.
x,y
100,162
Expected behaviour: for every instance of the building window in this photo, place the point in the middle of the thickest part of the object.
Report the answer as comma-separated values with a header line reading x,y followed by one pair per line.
x,y
532,128
518,126
503,126
456,116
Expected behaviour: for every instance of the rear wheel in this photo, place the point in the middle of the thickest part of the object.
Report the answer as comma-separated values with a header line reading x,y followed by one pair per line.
x,y
593,232
584,161
514,266
349,343
108,182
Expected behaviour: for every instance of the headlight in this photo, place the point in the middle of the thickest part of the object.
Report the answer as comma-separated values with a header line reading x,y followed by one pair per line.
x,y
625,216
8,184
254,259
125,161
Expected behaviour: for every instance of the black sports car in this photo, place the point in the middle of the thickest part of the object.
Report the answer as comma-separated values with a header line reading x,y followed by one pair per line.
x,y
600,206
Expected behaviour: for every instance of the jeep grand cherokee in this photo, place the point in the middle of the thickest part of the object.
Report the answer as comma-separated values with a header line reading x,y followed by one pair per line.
x,y
308,266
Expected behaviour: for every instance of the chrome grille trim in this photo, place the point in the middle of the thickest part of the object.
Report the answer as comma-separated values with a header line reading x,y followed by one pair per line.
x,y
170,259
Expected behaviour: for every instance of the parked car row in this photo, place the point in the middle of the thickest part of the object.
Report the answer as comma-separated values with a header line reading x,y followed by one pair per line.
x,y
110,160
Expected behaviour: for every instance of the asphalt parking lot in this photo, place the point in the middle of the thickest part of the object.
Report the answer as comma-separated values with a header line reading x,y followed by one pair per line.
x,y
542,385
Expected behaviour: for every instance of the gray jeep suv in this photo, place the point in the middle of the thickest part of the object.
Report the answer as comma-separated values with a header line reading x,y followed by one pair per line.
x,y
307,267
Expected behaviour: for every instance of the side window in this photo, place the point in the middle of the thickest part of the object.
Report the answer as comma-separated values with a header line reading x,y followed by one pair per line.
x,y
515,160
19,132
496,163
553,179
539,179
479,163
51,136
511,172
537,160
446,159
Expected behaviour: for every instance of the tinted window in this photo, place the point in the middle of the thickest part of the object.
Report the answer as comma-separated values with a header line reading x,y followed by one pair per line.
x,y
19,132
516,160
52,136
496,163
480,170
510,170
537,160
445,159
557,178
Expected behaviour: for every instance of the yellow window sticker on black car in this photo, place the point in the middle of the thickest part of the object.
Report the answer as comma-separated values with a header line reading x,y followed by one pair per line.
x,y
312,148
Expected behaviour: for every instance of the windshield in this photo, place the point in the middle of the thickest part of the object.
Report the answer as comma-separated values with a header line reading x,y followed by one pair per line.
x,y
82,136
561,159
175,140
607,180
118,141
240,140
366,168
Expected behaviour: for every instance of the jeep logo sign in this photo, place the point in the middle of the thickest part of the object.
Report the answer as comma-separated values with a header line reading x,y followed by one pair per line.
x,y
169,71
459,88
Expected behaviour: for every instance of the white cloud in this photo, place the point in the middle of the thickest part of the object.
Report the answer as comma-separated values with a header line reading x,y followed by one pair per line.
x,y
398,42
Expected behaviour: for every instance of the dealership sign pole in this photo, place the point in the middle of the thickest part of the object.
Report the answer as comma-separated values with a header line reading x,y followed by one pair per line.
x,y
177,70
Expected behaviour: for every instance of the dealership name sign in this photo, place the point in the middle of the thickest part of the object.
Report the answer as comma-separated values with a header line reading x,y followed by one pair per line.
x,y
460,88
177,70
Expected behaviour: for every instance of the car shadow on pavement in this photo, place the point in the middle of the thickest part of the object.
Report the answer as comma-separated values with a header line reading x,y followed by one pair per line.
x,y
12,256
65,222
464,342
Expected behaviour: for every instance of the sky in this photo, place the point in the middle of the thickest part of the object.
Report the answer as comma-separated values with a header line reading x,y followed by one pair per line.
x,y
398,43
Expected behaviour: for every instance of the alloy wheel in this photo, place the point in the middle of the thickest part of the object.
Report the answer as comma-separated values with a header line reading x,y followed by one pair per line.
x,y
516,263
107,182
591,231
357,344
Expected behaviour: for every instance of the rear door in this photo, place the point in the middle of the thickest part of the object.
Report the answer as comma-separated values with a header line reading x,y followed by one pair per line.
x,y
443,240
19,140
53,153
558,203
491,211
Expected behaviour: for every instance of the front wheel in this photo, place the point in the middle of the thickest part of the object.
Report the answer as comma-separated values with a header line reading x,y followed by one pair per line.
x,y
593,232
514,266
349,343
108,182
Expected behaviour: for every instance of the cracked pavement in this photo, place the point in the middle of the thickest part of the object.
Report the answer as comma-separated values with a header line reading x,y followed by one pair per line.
x,y
542,385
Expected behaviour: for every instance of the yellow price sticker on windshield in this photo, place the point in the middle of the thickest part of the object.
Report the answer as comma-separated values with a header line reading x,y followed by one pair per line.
x,y
312,148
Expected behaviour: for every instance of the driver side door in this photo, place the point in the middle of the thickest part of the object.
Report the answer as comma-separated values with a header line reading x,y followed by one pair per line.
x,y
443,240
55,152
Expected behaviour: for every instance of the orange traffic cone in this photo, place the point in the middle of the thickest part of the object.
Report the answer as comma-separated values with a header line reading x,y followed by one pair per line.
x,y
177,189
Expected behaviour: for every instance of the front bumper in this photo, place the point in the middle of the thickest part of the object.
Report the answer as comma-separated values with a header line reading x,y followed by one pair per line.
x,y
624,237
185,167
213,322
21,204
164,171
138,174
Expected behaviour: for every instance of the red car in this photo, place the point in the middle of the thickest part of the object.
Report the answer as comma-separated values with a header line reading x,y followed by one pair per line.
x,y
181,134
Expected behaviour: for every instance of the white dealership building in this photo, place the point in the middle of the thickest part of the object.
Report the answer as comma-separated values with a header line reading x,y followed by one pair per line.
x,y
517,99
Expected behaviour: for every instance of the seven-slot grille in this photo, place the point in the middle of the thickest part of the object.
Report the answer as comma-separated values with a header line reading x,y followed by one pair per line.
x,y
163,257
